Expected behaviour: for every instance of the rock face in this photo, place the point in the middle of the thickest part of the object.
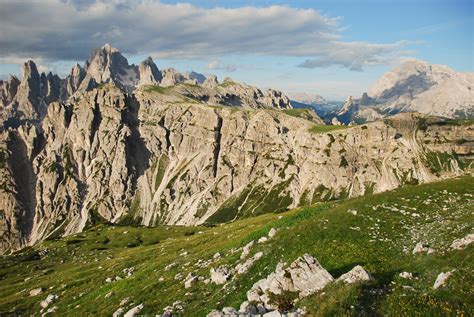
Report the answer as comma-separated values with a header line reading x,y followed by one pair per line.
x,y
188,154
416,86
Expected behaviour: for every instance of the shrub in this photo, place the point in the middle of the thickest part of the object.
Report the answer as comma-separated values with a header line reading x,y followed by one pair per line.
x,y
284,301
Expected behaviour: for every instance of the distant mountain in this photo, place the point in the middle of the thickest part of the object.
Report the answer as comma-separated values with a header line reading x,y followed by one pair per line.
x,y
320,105
308,99
416,86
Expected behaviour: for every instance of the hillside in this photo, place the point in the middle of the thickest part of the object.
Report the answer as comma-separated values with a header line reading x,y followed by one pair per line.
x,y
108,267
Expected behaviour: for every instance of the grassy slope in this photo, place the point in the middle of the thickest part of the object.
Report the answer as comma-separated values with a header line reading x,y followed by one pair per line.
x,y
327,231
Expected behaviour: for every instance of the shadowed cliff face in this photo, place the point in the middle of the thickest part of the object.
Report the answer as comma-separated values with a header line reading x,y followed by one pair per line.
x,y
150,158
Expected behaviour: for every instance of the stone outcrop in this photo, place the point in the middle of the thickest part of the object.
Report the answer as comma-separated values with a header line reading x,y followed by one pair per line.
x,y
304,276
357,274
462,243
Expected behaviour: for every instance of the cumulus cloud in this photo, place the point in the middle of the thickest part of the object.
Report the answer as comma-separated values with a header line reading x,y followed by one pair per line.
x,y
217,65
357,55
70,29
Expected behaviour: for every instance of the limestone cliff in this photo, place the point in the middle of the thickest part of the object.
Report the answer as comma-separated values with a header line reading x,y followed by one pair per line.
x,y
161,156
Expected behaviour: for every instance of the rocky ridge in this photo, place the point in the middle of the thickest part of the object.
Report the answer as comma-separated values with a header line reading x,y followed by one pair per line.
x,y
26,100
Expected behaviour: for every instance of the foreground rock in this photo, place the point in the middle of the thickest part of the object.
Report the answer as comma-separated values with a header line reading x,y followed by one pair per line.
x,y
442,279
357,274
304,276
462,243
49,299
134,311
220,275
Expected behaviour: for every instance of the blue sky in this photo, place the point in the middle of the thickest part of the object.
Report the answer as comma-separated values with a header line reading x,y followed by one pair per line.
x,y
334,48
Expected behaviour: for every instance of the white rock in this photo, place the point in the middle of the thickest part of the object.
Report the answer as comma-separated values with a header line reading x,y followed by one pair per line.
x,y
441,279
352,211
305,276
216,256
229,311
191,279
215,313
124,301
272,233
242,268
128,271
220,275
406,275
357,274
462,243
419,247
170,266
246,249
49,299
134,311
118,312
36,291
262,240
274,313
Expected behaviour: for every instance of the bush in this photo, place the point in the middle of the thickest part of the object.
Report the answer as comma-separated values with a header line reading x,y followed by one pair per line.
x,y
284,301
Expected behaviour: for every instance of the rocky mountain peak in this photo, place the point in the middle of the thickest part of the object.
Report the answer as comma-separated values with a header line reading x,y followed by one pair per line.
x,y
171,77
415,86
149,72
200,78
30,78
107,64
211,82
309,99
73,81
8,89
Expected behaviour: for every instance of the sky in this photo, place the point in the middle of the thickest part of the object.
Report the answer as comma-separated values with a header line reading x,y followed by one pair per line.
x,y
334,48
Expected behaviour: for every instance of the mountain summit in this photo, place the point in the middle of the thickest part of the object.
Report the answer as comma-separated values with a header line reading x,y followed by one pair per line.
x,y
416,86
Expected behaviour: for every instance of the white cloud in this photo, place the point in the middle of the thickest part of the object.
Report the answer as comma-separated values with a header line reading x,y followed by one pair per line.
x,y
217,65
68,30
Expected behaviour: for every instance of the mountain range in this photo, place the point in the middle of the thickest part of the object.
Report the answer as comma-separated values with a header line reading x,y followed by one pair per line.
x,y
132,144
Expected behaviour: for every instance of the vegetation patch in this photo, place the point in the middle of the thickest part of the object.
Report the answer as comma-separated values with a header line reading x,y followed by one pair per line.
x,y
327,128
